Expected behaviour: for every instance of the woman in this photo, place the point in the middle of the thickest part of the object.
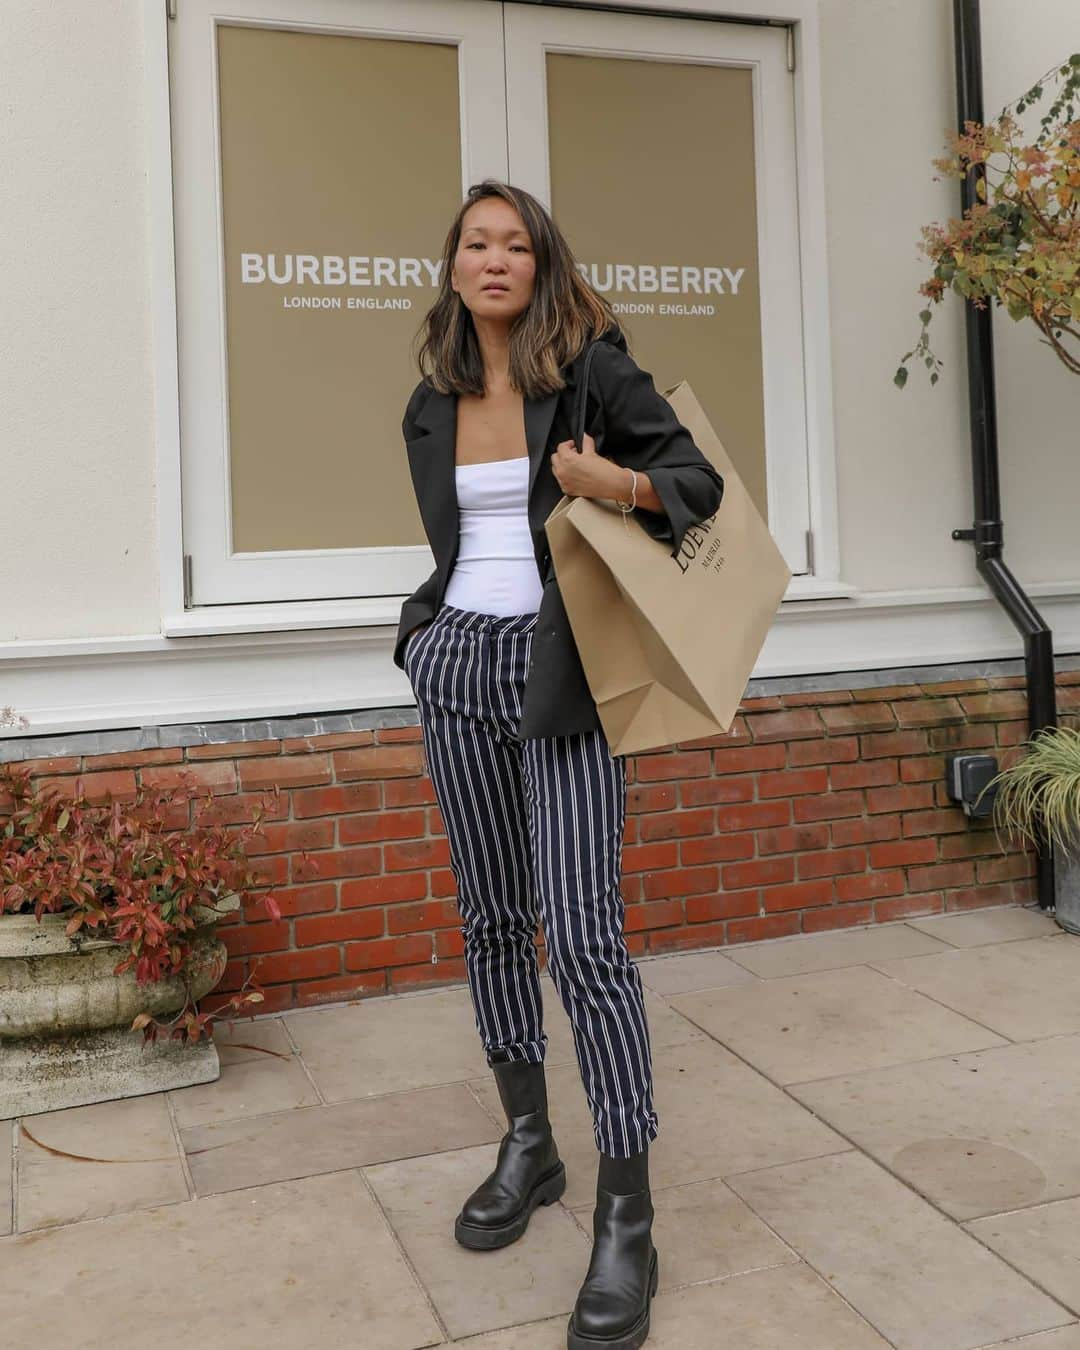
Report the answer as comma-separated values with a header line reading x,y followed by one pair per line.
x,y
533,801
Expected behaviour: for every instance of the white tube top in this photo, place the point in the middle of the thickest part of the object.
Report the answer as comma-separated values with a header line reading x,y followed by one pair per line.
x,y
495,571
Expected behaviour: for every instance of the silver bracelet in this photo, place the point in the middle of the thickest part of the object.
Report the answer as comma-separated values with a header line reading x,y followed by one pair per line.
x,y
627,507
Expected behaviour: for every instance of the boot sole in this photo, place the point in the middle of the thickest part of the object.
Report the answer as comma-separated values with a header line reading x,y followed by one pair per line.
x,y
630,1339
545,1192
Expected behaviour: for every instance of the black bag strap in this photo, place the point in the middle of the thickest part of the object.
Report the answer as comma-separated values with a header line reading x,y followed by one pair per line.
x,y
578,423
583,396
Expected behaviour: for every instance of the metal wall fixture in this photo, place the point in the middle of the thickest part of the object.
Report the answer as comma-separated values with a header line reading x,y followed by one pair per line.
x,y
987,531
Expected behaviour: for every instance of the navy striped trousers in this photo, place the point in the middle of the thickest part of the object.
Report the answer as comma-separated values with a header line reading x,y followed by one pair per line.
x,y
535,830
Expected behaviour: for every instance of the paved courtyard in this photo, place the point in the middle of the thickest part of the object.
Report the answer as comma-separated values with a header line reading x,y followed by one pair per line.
x,y
868,1138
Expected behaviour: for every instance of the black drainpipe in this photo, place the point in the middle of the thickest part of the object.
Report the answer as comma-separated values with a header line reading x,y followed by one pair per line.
x,y
987,531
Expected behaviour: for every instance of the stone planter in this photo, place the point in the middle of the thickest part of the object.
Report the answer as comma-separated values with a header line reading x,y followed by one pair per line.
x,y
1067,883
65,1018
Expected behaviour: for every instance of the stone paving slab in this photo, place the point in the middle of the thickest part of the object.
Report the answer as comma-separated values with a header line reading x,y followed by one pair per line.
x,y
919,1279
976,1134
478,1291
1023,990
1009,923
295,1264
804,953
247,1087
1043,1242
89,1161
1067,1338
686,973
803,1027
250,1152
786,1308
256,1039
395,1044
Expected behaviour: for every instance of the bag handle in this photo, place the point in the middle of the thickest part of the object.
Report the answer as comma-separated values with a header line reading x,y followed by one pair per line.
x,y
583,397
579,417
577,425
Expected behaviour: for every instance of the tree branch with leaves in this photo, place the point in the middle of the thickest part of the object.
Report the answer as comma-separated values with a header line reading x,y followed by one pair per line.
x,y
1019,243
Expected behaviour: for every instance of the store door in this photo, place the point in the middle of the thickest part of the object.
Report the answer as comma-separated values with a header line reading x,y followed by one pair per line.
x,y
666,150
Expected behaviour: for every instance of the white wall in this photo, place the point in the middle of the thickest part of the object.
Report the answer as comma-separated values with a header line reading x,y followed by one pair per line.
x,y
77,556
1038,399
887,87
77,553
904,456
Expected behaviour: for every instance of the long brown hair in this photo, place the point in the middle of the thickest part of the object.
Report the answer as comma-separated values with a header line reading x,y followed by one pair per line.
x,y
564,314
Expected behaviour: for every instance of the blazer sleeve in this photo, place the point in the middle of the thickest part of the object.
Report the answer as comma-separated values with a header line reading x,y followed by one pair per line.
x,y
642,432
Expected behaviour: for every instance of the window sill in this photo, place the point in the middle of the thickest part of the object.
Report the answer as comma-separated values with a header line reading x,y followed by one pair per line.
x,y
296,615
284,616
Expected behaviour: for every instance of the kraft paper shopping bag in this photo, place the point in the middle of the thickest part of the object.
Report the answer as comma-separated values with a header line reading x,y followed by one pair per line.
x,y
668,644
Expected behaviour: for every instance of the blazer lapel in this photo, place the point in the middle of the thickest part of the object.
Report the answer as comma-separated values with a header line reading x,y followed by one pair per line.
x,y
539,415
431,462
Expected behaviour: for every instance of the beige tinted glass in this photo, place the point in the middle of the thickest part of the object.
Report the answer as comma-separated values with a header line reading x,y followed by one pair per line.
x,y
341,168
652,181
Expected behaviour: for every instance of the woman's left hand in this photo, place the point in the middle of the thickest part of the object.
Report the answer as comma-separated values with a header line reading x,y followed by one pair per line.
x,y
587,474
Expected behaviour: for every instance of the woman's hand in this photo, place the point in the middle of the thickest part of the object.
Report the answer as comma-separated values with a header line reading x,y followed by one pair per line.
x,y
587,474
591,475
413,632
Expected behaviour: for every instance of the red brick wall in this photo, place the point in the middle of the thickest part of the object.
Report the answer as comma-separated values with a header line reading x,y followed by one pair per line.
x,y
817,811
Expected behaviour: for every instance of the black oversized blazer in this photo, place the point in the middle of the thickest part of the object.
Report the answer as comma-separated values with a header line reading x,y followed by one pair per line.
x,y
631,423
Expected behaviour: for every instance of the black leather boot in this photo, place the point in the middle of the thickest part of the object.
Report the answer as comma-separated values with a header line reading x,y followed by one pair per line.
x,y
612,1308
528,1171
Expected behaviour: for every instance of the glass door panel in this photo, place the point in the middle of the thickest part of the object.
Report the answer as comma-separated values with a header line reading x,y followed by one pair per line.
x,y
665,149
321,151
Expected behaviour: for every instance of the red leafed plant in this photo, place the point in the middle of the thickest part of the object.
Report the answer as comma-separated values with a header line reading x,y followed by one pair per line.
x,y
124,876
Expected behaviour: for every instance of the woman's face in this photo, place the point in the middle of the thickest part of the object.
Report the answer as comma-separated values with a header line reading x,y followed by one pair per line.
x,y
494,251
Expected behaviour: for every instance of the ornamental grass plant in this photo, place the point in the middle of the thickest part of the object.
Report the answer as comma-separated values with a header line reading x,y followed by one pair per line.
x,y
1042,785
